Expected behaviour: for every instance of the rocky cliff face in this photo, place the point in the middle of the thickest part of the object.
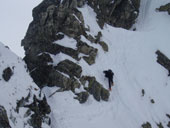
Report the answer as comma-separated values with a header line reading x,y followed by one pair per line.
x,y
118,13
55,20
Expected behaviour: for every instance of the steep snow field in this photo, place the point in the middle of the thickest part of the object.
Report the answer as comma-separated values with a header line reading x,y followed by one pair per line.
x,y
132,58
18,86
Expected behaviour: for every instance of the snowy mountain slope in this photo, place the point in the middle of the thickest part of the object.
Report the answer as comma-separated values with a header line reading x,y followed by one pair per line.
x,y
19,86
132,58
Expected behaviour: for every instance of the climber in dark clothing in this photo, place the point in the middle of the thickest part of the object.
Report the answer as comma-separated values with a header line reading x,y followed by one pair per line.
x,y
109,74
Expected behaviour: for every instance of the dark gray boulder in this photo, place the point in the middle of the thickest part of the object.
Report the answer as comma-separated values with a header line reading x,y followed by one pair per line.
x,y
4,122
7,73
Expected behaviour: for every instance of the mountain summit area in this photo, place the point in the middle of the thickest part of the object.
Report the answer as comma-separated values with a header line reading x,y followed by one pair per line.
x,y
60,82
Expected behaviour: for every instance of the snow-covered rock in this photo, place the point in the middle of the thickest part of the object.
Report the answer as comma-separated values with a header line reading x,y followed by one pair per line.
x,y
59,27
17,92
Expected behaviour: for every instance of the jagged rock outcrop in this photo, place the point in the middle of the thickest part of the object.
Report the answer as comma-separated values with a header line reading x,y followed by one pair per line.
x,y
118,13
53,20
4,122
163,60
164,8
38,111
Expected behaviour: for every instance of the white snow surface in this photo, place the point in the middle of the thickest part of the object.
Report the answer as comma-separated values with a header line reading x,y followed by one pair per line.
x,y
67,42
18,87
132,58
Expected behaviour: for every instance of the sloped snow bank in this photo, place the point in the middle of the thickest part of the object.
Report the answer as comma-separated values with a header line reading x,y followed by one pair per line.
x,y
132,58
19,86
